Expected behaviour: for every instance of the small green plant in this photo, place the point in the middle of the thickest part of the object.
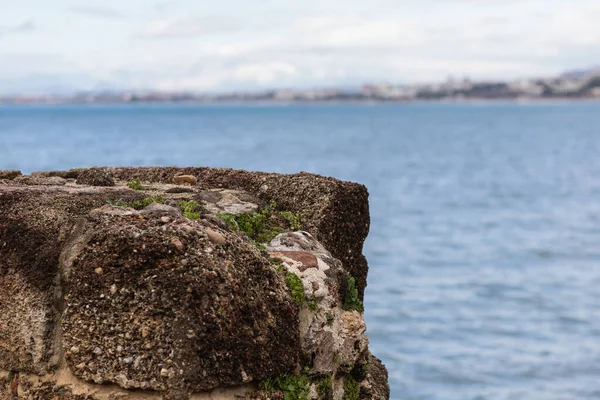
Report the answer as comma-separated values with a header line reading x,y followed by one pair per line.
x,y
351,389
313,306
258,226
135,184
296,287
293,387
337,357
262,226
230,220
293,219
118,203
140,204
190,209
267,385
325,387
329,319
351,300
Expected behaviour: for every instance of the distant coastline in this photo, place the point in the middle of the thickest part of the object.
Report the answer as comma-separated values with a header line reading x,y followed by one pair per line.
x,y
567,87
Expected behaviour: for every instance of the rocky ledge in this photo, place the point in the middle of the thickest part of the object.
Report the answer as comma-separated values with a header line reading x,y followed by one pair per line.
x,y
183,283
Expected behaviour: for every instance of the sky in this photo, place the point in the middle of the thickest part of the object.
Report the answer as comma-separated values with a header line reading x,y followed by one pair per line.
x,y
63,46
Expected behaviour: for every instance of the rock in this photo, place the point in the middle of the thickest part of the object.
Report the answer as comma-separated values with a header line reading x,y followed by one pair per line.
x,y
215,236
344,342
161,210
189,180
9,173
375,386
225,201
177,243
180,190
95,177
40,180
170,306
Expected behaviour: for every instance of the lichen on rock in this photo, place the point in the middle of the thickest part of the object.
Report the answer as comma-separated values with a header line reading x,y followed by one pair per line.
x,y
108,291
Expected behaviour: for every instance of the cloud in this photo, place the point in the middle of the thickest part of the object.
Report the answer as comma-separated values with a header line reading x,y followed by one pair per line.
x,y
165,5
309,46
182,28
23,27
97,12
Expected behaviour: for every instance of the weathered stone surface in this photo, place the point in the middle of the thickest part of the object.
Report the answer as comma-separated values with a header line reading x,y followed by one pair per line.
x,y
224,201
161,209
335,212
9,173
330,338
189,180
41,180
118,298
95,177
154,321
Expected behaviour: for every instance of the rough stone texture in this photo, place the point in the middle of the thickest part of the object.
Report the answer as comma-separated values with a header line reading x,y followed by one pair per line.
x,y
149,300
185,313
375,384
95,177
9,173
335,212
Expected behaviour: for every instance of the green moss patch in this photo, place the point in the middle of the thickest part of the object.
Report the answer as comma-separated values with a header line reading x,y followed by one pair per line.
x,y
135,184
263,225
351,300
325,387
296,287
293,387
351,389
137,204
190,209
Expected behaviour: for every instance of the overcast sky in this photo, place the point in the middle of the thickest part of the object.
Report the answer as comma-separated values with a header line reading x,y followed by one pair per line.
x,y
200,45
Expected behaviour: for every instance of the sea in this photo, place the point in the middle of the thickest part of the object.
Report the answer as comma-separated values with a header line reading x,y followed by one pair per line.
x,y
484,249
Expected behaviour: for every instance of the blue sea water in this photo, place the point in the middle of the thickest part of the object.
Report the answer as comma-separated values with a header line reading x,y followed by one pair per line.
x,y
484,248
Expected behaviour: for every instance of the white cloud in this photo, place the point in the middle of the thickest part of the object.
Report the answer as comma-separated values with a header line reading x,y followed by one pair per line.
x,y
23,27
181,28
97,11
393,40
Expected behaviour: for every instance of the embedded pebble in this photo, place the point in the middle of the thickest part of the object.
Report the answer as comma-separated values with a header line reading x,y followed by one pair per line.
x,y
214,236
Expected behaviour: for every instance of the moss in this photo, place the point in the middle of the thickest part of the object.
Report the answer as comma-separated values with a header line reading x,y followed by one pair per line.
x,y
351,389
337,357
118,203
190,209
137,204
293,387
313,306
296,287
325,387
230,220
140,204
293,219
135,184
258,226
263,225
329,319
351,300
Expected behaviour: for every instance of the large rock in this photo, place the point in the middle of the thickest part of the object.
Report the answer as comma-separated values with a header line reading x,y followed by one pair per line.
x,y
156,305
95,292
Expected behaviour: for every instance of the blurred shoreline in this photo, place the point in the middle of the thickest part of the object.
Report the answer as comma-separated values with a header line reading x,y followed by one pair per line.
x,y
564,88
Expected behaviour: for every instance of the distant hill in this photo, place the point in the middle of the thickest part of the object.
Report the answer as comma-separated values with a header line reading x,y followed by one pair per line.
x,y
581,73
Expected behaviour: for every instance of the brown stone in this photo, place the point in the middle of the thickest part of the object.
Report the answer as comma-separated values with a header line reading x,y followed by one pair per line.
x,y
306,259
215,236
214,317
188,180
9,173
